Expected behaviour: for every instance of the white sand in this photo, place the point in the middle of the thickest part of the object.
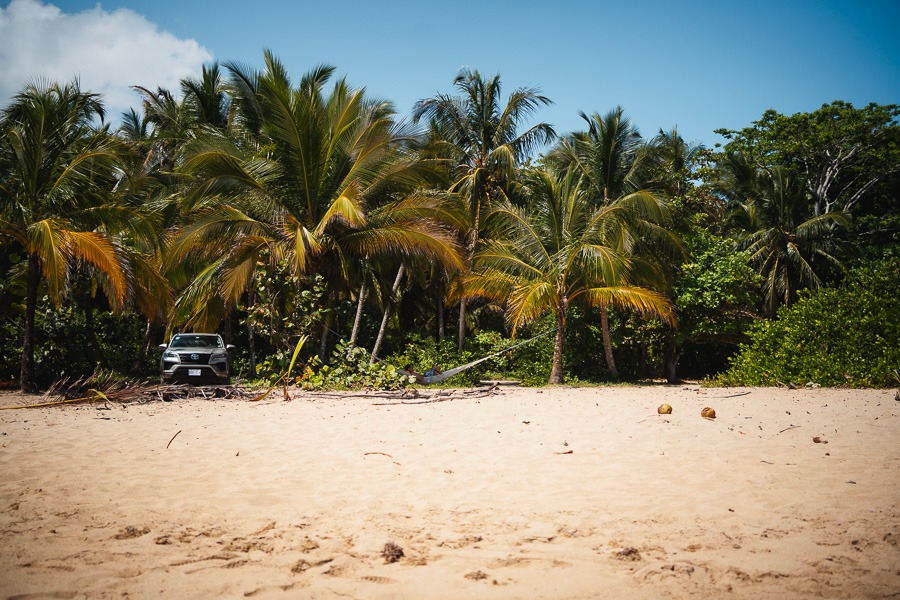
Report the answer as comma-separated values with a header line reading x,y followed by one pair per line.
x,y
523,494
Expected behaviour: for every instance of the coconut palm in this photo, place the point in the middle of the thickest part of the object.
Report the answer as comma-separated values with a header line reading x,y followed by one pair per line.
x,y
301,189
608,155
565,250
770,213
670,162
609,160
56,171
487,144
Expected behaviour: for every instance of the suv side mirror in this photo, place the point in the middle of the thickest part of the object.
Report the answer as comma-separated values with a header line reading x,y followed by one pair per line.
x,y
163,346
229,347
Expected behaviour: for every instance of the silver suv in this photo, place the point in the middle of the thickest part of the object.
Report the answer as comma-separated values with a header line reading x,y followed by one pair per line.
x,y
195,357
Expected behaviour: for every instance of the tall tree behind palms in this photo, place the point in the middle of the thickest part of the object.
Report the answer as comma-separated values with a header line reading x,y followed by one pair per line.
x,y
565,250
56,168
486,132
609,159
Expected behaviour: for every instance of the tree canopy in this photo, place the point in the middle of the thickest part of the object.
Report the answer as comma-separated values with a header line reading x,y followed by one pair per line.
x,y
272,208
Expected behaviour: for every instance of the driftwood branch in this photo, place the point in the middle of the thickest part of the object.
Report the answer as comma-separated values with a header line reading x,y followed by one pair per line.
x,y
732,395
173,439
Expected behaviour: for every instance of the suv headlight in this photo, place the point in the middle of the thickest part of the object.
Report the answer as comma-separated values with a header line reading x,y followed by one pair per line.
x,y
171,357
218,358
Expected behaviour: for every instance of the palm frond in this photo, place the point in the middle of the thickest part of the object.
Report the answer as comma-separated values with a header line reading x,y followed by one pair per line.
x,y
638,299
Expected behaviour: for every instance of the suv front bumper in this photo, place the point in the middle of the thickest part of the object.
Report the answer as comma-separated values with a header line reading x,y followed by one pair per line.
x,y
201,368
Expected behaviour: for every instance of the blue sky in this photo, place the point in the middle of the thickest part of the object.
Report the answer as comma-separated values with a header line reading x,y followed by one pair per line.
x,y
695,65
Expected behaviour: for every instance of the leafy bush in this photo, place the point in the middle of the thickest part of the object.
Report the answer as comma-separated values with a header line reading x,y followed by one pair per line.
x,y
837,336
530,363
425,352
350,369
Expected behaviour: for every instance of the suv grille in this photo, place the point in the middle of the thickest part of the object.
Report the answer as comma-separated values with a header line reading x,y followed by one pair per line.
x,y
194,358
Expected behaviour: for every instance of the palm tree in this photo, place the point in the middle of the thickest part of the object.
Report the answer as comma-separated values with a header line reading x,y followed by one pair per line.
x,y
770,212
670,162
565,250
56,171
608,155
143,193
609,160
298,183
487,142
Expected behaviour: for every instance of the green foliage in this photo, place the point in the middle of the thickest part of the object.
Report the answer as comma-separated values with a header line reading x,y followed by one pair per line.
x,y
716,292
532,362
425,352
286,305
847,159
838,336
529,363
67,348
350,369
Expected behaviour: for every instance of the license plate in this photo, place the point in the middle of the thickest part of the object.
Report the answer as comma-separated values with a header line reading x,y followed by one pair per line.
x,y
193,372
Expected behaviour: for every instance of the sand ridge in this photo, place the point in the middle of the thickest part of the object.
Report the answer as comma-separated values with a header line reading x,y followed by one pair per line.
x,y
524,493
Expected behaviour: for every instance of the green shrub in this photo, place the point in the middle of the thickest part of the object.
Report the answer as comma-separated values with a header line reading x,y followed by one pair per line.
x,y
847,335
425,352
529,363
350,369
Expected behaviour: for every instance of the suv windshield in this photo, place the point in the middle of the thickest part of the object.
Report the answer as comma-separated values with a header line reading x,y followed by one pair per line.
x,y
196,341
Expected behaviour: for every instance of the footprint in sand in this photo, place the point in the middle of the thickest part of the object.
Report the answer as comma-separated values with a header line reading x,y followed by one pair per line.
x,y
378,579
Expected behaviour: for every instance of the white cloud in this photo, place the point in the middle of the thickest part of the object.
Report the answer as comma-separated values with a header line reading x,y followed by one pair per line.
x,y
108,51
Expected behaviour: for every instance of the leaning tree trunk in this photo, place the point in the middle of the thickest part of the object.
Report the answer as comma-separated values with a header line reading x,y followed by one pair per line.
x,y
359,313
556,371
607,343
26,374
387,313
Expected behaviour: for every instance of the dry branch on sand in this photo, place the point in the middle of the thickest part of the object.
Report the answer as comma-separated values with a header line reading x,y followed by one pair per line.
x,y
108,390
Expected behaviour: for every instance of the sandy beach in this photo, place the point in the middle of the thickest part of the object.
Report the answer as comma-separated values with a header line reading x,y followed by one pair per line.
x,y
522,493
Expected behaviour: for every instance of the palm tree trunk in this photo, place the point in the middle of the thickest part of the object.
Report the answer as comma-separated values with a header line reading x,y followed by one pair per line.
x,y
470,253
607,343
441,328
387,313
251,335
556,371
326,329
26,374
137,367
673,354
462,324
359,312
226,326
94,352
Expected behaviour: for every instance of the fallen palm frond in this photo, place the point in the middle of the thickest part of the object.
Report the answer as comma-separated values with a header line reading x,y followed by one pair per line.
x,y
287,375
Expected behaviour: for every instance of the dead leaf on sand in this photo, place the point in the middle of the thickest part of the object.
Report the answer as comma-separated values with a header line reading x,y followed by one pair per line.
x,y
392,552
628,553
131,532
476,575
